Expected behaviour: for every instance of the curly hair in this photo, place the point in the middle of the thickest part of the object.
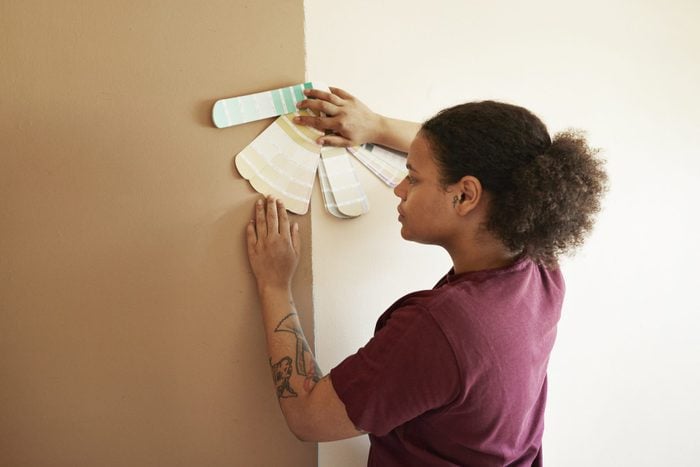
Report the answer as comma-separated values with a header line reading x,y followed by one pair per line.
x,y
544,194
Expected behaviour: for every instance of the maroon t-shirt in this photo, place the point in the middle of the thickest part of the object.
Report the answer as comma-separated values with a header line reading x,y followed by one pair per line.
x,y
456,376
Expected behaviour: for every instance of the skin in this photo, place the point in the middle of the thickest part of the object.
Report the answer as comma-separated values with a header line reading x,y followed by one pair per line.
x,y
308,401
449,216
352,122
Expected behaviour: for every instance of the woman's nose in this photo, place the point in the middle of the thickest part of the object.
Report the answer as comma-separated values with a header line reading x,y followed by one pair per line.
x,y
399,189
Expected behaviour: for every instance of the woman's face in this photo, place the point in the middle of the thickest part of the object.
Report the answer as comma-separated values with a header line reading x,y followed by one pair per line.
x,y
427,209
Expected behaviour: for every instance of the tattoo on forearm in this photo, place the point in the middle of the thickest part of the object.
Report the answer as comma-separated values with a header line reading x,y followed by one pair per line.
x,y
303,352
312,378
281,372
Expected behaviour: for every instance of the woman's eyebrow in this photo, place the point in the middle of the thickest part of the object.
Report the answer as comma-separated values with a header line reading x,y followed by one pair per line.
x,y
410,167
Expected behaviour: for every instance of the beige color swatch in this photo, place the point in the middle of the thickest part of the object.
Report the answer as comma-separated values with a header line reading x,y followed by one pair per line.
x,y
282,162
346,194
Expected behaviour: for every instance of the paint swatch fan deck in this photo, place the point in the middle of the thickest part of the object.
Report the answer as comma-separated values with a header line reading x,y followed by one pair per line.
x,y
284,159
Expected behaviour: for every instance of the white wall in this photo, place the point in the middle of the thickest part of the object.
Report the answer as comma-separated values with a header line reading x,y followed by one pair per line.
x,y
624,383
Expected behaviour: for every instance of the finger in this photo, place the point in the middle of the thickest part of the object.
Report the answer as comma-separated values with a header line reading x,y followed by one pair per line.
x,y
334,140
341,93
260,223
318,105
283,219
272,222
323,95
320,123
296,240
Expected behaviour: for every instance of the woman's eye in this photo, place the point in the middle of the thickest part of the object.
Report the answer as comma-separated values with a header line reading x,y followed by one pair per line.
x,y
410,180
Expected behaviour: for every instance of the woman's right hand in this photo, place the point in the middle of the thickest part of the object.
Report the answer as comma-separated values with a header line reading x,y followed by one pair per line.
x,y
350,121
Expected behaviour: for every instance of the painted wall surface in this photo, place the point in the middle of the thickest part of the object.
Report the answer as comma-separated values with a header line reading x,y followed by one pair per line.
x,y
624,375
130,332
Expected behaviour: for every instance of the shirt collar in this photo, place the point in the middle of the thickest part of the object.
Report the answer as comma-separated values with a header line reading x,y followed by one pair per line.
x,y
452,278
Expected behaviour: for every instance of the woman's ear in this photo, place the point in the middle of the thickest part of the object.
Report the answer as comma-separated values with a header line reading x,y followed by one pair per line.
x,y
468,194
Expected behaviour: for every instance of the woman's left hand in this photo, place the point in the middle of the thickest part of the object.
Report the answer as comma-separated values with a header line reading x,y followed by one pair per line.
x,y
273,245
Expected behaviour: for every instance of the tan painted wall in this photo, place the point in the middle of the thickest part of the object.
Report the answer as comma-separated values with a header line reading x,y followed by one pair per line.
x,y
129,328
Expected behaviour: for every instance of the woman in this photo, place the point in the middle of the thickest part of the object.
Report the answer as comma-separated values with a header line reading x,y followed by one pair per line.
x,y
455,375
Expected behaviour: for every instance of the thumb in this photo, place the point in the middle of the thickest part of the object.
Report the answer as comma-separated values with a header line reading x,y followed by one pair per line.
x,y
334,140
251,238
296,240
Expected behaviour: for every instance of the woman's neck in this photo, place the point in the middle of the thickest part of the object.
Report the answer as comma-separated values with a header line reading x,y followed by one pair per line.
x,y
486,253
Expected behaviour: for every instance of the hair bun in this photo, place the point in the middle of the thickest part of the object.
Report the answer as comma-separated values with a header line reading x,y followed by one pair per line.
x,y
563,187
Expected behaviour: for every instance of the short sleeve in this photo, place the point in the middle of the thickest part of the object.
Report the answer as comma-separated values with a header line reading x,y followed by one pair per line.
x,y
405,370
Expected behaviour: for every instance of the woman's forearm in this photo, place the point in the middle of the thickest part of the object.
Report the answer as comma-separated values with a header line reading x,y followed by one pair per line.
x,y
294,368
396,134
312,411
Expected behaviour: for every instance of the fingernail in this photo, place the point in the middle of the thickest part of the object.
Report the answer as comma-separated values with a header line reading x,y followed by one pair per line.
x,y
296,119
259,203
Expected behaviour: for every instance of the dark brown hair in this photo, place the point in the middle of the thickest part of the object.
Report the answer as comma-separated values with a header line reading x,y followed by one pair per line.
x,y
544,194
